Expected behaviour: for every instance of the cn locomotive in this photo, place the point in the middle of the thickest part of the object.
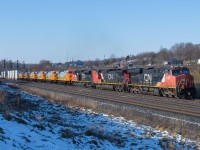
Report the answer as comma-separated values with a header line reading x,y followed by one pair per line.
x,y
165,81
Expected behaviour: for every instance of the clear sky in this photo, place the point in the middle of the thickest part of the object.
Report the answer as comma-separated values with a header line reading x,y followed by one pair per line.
x,y
58,30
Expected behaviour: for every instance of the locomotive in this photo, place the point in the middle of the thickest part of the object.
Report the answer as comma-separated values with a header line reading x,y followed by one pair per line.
x,y
165,81
175,82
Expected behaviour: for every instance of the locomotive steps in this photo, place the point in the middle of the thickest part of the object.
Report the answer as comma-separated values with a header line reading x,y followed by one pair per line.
x,y
175,120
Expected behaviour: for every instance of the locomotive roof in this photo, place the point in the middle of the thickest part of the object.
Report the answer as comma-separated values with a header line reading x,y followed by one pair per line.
x,y
162,69
135,70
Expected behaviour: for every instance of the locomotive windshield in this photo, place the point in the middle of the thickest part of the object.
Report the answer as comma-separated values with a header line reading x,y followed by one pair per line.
x,y
177,72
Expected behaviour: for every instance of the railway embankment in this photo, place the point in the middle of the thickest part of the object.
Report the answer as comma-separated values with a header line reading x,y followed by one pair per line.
x,y
175,123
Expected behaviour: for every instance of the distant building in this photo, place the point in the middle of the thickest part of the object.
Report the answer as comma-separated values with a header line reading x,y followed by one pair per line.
x,y
77,63
198,62
174,62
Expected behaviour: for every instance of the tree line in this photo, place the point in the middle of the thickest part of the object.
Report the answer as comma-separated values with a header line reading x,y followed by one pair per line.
x,y
181,51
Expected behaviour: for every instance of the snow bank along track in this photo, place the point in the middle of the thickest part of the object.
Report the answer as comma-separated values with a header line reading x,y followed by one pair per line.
x,y
179,106
174,115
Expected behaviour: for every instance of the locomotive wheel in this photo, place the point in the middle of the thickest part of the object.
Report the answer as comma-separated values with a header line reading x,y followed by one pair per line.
x,y
160,92
182,95
131,90
193,97
85,85
94,86
114,88
125,88
120,88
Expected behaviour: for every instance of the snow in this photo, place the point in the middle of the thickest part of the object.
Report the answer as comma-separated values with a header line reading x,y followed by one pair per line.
x,y
31,122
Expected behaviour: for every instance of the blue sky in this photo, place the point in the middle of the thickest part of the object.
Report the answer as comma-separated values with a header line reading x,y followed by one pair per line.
x,y
58,30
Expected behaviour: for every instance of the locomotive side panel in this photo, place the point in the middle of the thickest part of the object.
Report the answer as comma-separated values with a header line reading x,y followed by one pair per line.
x,y
112,76
148,77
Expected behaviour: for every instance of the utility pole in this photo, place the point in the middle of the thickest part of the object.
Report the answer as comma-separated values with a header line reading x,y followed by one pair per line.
x,y
11,64
17,64
67,56
28,67
104,60
24,66
4,64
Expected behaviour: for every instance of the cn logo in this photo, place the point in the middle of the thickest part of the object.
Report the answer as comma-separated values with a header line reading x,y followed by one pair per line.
x,y
147,77
110,76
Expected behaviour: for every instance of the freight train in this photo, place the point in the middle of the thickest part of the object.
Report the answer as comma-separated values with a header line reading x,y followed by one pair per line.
x,y
165,81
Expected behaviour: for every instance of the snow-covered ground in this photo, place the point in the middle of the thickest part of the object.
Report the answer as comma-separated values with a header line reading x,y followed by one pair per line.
x,y
31,122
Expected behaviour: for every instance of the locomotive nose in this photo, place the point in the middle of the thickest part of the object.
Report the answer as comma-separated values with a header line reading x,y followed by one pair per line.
x,y
185,80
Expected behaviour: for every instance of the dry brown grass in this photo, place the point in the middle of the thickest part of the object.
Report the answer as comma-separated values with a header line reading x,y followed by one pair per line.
x,y
68,100
162,123
13,86
195,71
3,96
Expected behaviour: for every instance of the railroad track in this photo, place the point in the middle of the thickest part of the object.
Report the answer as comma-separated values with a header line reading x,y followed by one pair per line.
x,y
149,98
185,107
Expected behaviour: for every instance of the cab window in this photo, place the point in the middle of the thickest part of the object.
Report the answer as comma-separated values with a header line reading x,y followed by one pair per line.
x,y
185,71
176,72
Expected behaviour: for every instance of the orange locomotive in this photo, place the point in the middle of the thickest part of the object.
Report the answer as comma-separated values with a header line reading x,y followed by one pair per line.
x,y
67,77
52,77
21,76
41,76
33,76
27,76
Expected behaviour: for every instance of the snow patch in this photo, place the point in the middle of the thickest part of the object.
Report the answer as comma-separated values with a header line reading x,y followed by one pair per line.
x,y
31,122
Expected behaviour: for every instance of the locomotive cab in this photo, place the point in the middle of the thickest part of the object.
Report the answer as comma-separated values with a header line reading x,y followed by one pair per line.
x,y
27,76
33,76
21,76
41,76
71,76
179,81
185,86
54,76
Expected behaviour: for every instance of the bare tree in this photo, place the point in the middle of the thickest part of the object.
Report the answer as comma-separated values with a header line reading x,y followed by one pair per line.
x,y
113,58
162,55
177,50
45,65
189,51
